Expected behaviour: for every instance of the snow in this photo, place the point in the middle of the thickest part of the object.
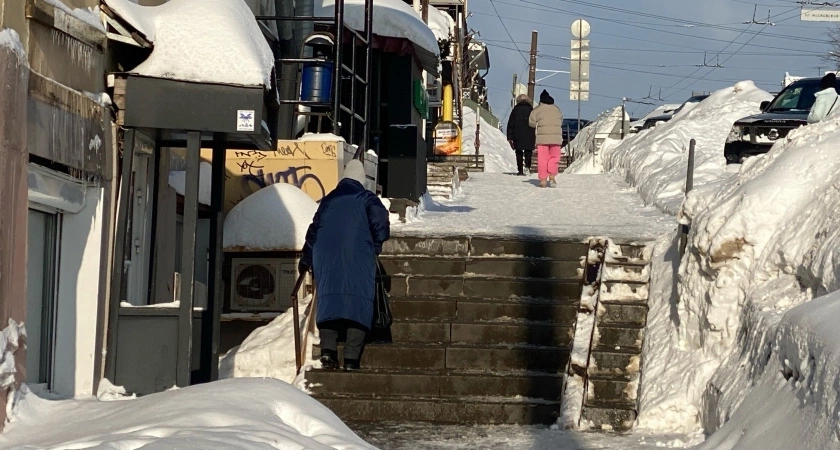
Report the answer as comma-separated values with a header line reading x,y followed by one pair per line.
x,y
274,218
269,351
418,436
442,24
230,414
9,344
321,137
10,39
91,16
655,160
178,181
391,18
579,207
226,46
498,156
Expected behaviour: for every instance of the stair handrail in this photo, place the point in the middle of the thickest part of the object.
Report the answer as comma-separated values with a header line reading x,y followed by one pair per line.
x,y
296,319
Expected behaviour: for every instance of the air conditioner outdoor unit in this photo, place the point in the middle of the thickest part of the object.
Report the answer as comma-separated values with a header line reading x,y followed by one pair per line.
x,y
262,284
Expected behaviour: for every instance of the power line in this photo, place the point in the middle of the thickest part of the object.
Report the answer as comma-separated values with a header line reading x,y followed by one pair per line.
x,y
512,40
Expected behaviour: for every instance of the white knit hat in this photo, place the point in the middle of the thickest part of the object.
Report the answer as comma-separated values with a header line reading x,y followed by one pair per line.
x,y
355,171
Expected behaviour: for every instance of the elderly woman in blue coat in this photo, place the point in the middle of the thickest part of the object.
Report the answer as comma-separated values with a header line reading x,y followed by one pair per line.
x,y
342,244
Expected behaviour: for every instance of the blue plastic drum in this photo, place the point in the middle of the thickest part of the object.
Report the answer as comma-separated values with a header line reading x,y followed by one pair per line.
x,y
316,82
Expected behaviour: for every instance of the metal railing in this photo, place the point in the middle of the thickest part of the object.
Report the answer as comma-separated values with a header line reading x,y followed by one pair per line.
x,y
300,338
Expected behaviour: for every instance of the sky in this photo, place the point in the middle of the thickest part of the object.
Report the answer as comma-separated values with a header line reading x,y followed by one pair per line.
x,y
642,47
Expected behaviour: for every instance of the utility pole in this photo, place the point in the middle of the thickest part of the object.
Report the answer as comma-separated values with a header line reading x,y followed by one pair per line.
x,y
425,11
532,70
513,91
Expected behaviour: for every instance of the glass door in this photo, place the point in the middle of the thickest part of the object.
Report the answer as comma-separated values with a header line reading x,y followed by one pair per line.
x,y
41,274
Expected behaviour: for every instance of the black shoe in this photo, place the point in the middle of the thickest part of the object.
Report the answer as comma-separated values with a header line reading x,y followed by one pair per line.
x,y
521,174
351,365
329,360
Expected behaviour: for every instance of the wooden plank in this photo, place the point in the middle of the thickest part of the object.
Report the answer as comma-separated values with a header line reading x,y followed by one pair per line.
x,y
193,159
119,266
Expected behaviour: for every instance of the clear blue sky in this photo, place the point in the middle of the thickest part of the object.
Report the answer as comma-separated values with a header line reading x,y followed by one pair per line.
x,y
640,45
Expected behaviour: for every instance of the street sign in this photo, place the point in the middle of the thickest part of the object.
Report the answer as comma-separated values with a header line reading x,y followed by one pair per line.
x,y
820,14
579,96
580,28
579,63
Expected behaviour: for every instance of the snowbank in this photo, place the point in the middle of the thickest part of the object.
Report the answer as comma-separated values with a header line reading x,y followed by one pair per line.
x,y
273,218
655,160
90,16
10,39
229,414
391,18
269,351
10,343
225,46
762,241
795,401
498,156
442,24
178,181
588,146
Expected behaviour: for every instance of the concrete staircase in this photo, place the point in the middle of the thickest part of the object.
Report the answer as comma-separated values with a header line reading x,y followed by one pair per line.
x,y
482,331
444,181
618,310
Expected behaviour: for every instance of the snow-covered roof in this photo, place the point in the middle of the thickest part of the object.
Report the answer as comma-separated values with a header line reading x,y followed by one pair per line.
x,y
178,181
441,23
207,41
391,18
90,16
274,218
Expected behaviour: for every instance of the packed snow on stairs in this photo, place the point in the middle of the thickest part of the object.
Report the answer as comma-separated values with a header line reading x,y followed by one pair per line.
x,y
578,207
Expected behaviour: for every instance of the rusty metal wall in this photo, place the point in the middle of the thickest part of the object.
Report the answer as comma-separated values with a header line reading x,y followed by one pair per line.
x,y
14,77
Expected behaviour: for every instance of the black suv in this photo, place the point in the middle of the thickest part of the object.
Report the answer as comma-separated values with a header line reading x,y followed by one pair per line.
x,y
755,135
570,129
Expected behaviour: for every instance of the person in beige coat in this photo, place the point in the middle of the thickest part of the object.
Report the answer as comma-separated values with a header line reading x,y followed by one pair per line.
x,y
548,121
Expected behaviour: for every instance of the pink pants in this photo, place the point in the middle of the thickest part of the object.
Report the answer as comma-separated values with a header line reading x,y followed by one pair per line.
x,y
548,156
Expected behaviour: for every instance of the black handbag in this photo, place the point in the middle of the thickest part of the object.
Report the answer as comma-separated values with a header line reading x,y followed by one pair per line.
x,y
381,307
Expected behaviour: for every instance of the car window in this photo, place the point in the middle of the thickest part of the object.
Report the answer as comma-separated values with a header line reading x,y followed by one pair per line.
x,y
796,97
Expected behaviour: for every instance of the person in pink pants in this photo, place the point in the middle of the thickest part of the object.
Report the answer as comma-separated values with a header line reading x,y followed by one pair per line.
x,y
548,121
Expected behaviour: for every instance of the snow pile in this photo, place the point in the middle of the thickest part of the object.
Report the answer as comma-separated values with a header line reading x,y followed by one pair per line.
x,y
10,39
91,16
391,18
271,219
442,24
269,351
655,160
229,414
225,46
498,156
10,343
761,242
178,181
587,147
795,401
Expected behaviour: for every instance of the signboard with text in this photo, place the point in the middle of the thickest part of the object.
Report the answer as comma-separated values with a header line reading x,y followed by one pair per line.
x,y
820,14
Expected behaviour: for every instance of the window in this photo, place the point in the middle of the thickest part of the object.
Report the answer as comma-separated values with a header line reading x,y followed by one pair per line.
x,y
41,274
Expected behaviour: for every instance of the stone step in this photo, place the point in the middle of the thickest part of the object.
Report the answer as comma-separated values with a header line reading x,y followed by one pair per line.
x,y
622,313
618,417
504,358
527,248
484,333
619,337
406,245
501,267
611,390
625,292
607,362
436,384
482,287
469,410
482,310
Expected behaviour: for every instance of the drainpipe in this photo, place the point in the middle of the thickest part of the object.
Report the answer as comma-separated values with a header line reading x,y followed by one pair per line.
x,y
287,73
304,8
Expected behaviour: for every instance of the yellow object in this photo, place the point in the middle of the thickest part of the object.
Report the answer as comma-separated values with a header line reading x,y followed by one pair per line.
x,y
447,104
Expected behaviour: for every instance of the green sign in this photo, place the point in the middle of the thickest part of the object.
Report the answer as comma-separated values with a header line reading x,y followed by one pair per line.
x,y
421,99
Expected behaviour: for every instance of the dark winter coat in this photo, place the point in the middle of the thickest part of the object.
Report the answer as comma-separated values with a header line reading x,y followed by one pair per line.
x,y
518,130
342,243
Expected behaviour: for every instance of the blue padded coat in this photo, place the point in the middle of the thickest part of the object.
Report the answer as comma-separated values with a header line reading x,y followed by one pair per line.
x,y
342,244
